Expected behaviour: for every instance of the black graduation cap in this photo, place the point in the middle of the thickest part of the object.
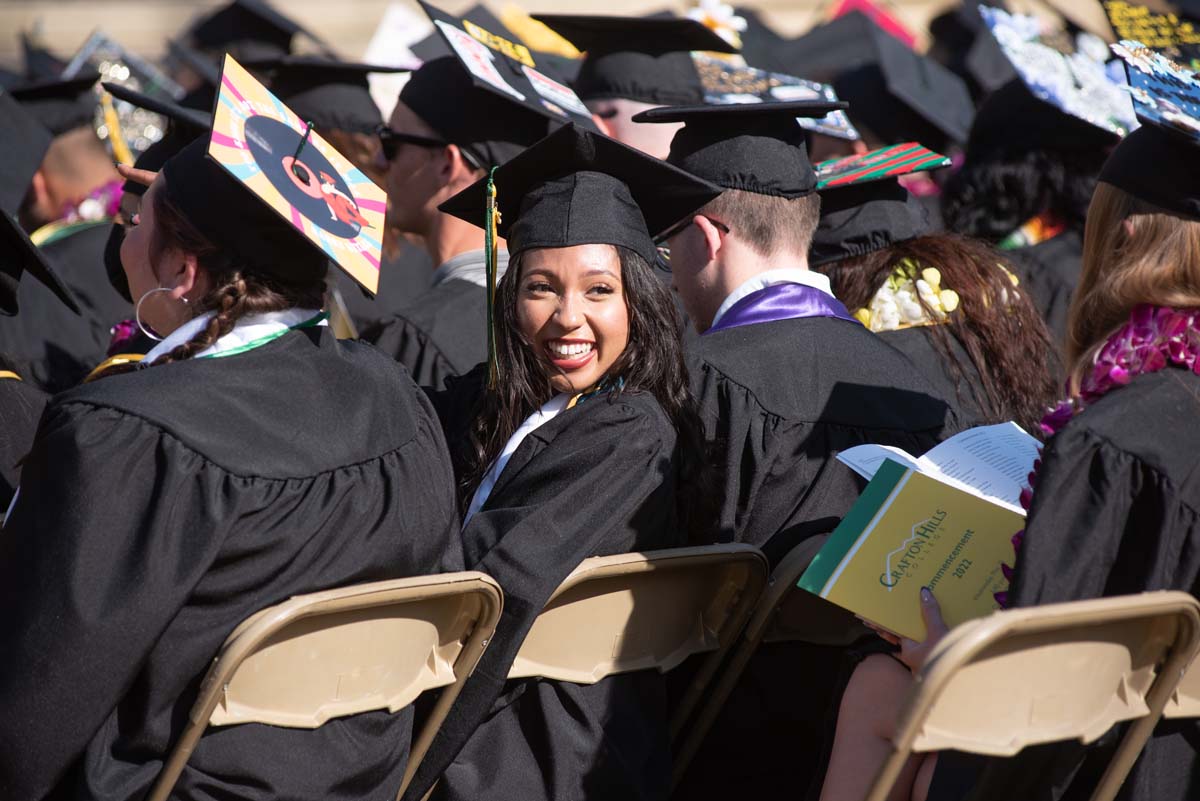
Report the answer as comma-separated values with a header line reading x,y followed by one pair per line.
x,y
864,207
637,58
60,105
762,46
963,44
184,125
40,63
753,147
893,92
331,94
578,187
24,142
204,95
252,28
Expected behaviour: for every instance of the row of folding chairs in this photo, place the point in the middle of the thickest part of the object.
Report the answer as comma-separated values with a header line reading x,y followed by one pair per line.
x,y
993,686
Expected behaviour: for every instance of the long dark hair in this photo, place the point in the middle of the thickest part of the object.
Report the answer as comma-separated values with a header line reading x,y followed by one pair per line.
x,y
237,290
996,322
651,362
991,198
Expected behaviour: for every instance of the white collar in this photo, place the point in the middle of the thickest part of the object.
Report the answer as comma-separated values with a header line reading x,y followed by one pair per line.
x,y
246,330
784,275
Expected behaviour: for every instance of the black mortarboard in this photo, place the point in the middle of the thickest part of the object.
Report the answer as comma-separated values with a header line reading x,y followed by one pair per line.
x,y
252,28
184,125
331,94
757,147
893,92
864,208
40,63
637,58
578,187
434,46
24,142
204,94
60,105
762,46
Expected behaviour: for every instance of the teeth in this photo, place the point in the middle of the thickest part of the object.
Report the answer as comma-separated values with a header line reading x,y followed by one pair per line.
x,y
568,349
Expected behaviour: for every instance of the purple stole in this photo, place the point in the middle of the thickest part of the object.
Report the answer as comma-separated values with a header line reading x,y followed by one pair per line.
x,y
782,302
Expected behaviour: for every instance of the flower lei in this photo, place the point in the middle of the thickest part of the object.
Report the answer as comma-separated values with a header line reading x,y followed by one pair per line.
x,y
721,18
101,203
895,304
1154,338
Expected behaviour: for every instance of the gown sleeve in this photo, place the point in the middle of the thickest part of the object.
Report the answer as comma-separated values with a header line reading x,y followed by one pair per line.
x,y
104,544
603,486
413,348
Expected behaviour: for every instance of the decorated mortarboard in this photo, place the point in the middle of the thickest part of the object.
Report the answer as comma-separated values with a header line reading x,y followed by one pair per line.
x,y
434,45
251,28
1064,101
1160,161
274,192
647,59
24,142
864,207
332,94
894,92
1174,36
578,187
752,147
880,16
60,105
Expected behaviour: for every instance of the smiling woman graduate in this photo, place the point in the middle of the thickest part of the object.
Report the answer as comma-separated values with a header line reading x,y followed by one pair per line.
x,y
580,448
251,457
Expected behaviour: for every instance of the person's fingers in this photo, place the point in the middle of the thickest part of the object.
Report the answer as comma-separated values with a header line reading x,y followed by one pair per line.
x,y
931,613
143,177
886,634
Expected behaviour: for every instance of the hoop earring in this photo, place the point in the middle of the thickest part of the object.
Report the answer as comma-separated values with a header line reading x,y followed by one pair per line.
x,y
137,313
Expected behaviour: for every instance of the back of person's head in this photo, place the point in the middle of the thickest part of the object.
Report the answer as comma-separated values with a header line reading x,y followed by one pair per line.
x,y
995,321
75,164
1134,253
773,227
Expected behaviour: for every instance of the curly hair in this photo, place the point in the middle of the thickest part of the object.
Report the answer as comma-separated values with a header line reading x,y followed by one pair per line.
x,y
996,322
651,362
990,198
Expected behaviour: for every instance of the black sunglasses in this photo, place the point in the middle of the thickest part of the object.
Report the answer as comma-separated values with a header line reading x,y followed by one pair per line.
x,y
390,141
682,225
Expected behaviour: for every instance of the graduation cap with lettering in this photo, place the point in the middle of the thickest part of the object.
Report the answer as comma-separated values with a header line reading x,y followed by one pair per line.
x,y
647,59
251,28
1160,161
1057,101
895,94
61,105
864,207
754,147
273,192
24,142
331,94
434,45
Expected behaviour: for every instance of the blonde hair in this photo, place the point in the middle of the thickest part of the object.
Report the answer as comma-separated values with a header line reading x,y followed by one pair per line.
x,y
769,225
1156,261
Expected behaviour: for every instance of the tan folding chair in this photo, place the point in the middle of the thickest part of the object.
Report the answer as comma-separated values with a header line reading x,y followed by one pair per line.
x,y
1185,703
784,613
1058,672
345,651
637,611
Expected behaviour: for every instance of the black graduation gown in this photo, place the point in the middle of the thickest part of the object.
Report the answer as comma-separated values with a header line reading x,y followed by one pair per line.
x,y
963,387
1049,271
53,347
779,401
442,333
597,479
1116,511
401,280
159,509
21,406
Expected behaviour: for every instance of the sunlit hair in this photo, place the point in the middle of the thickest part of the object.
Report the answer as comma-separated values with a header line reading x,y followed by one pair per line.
x,y
772,226
996,323
651,362
1156,261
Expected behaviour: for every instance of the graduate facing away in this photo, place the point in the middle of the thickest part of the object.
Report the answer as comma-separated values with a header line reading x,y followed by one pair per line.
x,y
584,442
251,458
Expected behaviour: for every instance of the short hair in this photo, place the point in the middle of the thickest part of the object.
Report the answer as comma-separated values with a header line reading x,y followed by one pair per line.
x,y
769,225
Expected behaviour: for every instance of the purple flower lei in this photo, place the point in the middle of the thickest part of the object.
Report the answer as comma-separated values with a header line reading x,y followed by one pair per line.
x,y
1155,337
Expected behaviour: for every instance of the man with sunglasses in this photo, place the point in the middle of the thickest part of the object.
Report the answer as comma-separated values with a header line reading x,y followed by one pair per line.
x,y
786,378
443,135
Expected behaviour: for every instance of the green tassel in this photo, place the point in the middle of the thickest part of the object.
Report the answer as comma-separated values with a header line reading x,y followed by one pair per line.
x,y
490,248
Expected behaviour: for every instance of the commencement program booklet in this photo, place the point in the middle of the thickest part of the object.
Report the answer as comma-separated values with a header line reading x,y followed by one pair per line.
x,y
944,520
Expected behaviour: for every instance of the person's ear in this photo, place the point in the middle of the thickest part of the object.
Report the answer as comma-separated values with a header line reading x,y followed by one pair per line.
x,y
712,236
183,276
41,196
1127,225
455,170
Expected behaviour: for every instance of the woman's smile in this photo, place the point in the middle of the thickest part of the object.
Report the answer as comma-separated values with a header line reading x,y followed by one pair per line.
x,y
570,354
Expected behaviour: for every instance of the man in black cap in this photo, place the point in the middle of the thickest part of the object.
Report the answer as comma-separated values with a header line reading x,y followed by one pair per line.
x,y
633,64
435,147
67,202
249,29
786,379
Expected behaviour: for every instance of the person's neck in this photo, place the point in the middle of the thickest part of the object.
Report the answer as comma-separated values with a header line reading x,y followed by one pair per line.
x,y
449,236
740,266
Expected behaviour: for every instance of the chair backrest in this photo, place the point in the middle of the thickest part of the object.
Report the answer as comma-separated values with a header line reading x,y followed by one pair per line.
x,y
1063,671
345,651
637,611
1185,703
